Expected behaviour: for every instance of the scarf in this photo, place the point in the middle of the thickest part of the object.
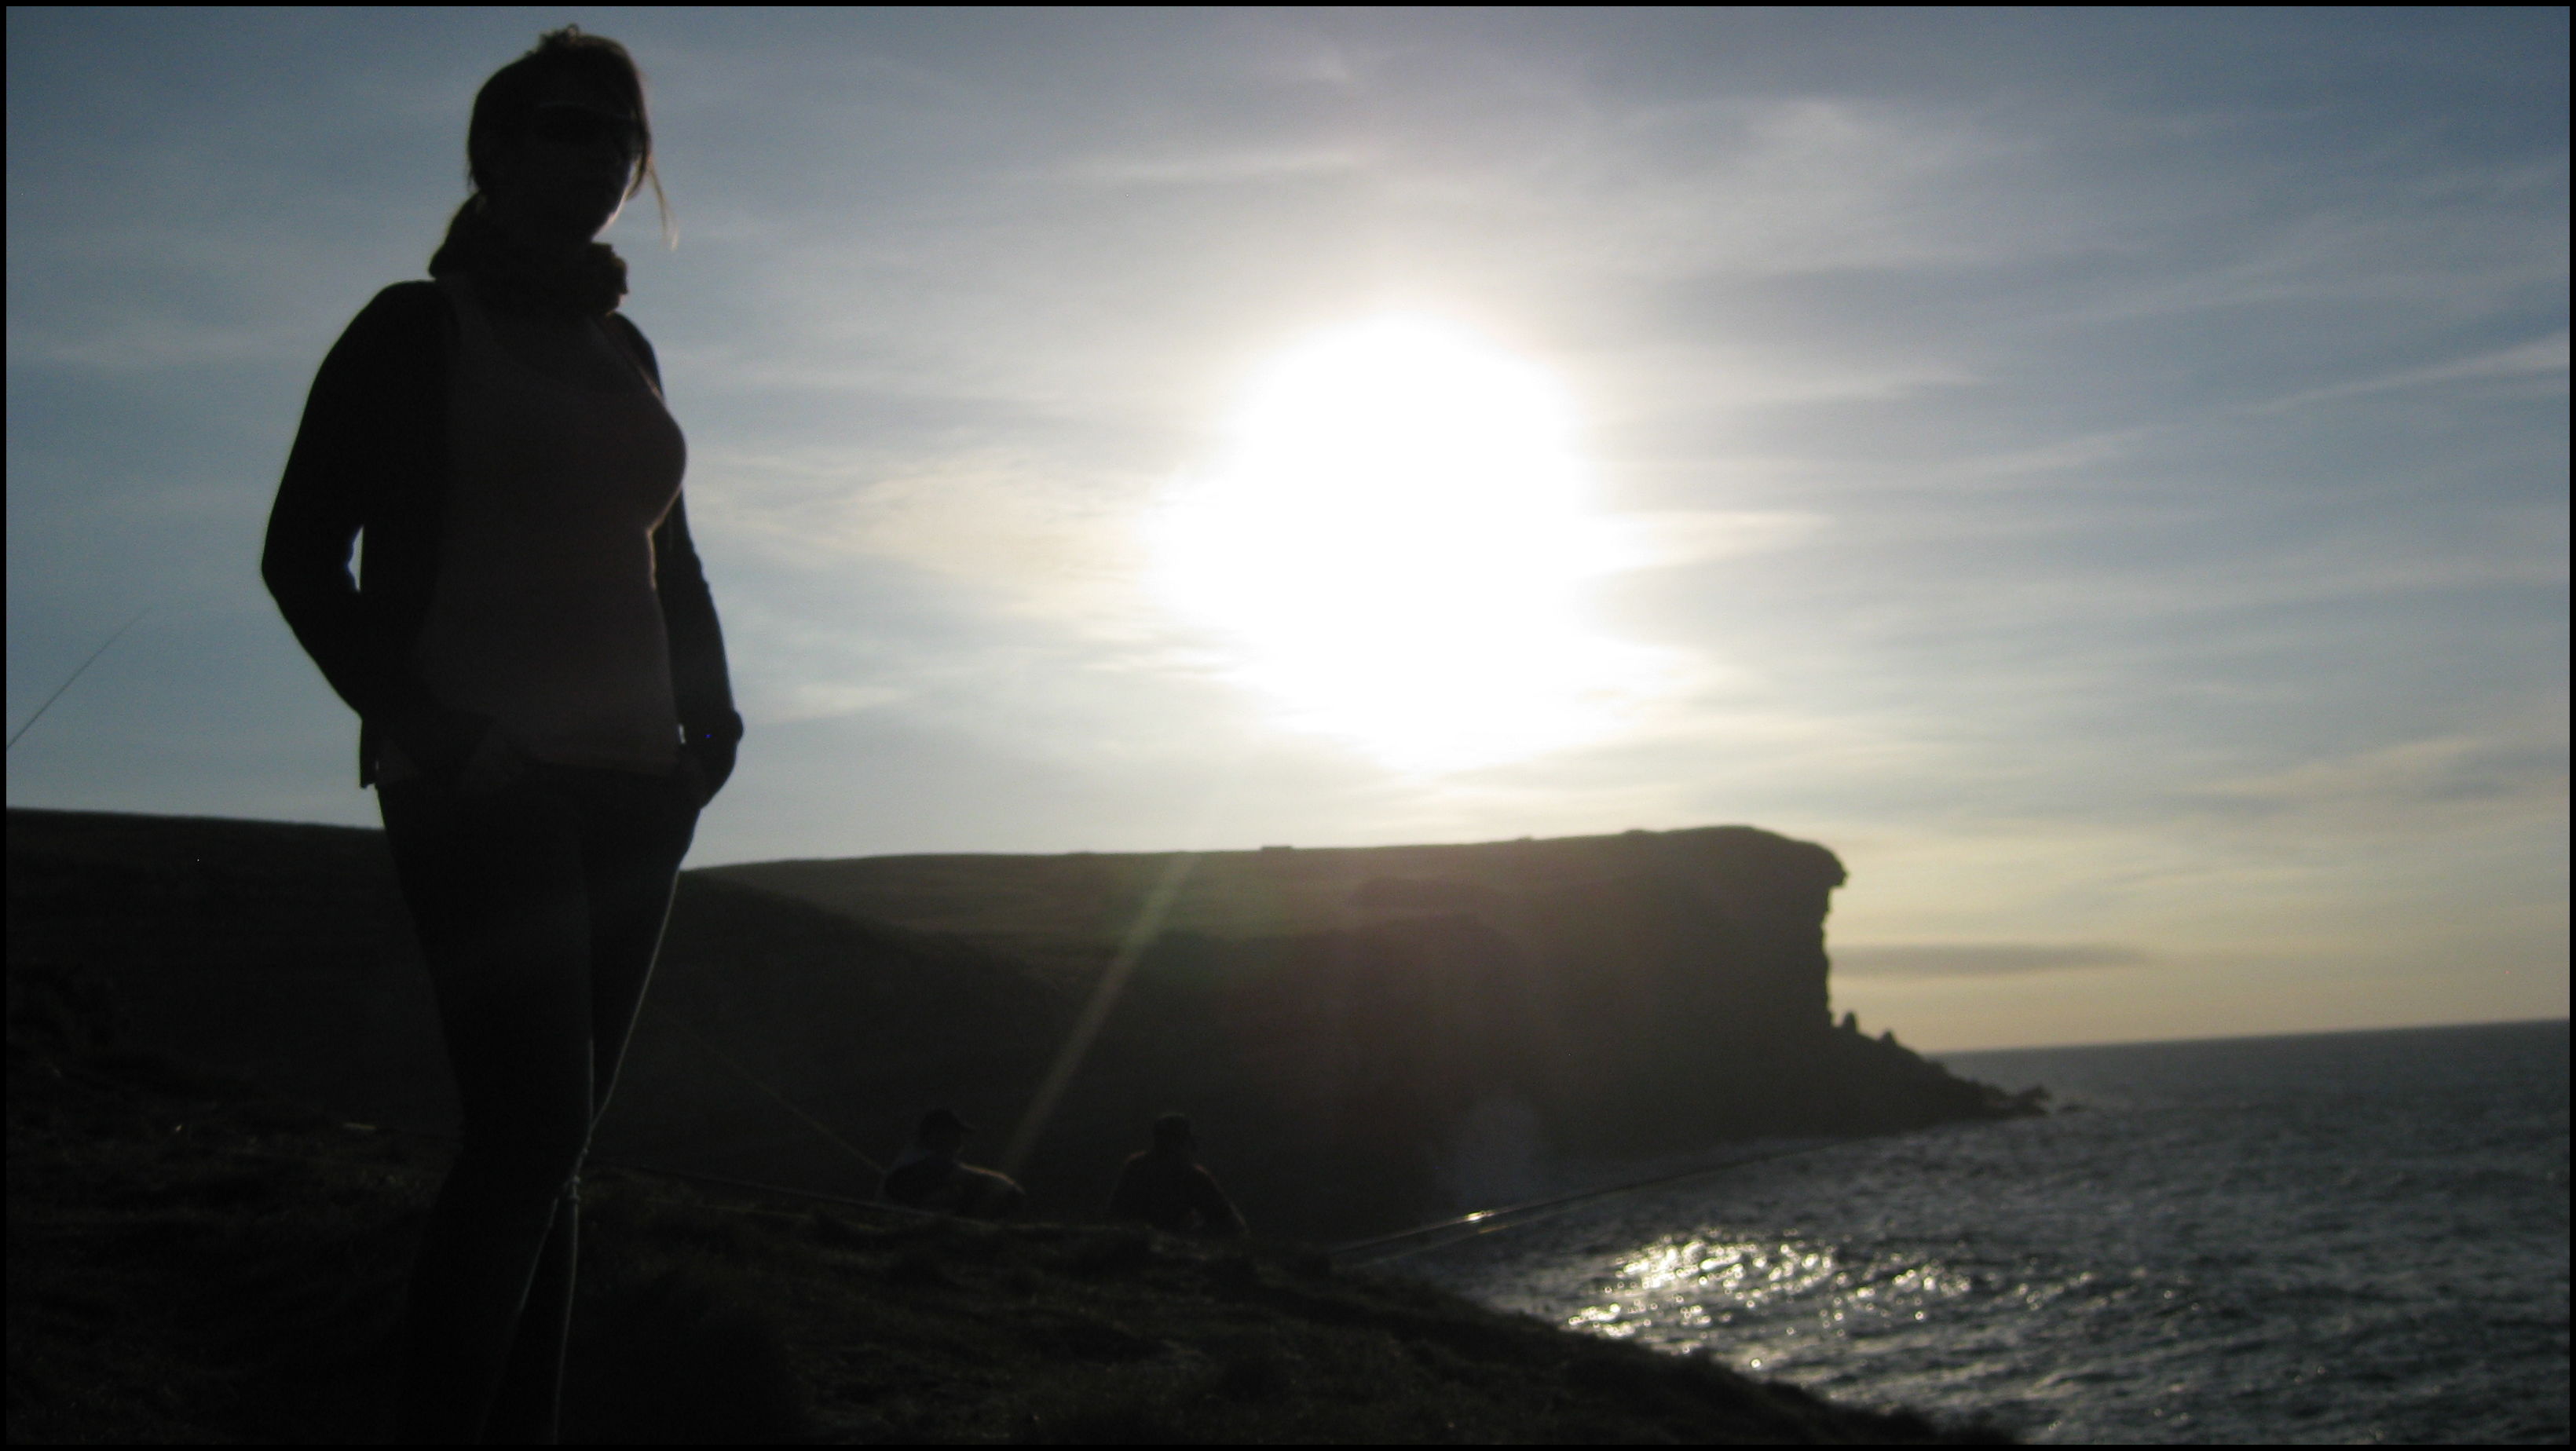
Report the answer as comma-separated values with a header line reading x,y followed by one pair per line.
x,y
587,283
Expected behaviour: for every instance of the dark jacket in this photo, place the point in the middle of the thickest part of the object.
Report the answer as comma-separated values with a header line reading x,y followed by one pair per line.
x,y
371,459
1171,1192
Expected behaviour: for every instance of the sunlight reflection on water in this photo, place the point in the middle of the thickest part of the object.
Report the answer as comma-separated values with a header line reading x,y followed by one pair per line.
x,y
1697,1283
2360,1240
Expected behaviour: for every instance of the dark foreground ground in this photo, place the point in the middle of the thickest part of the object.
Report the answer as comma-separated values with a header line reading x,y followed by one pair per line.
x,y
193,1260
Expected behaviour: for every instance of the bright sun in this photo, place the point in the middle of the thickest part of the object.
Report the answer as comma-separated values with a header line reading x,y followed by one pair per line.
x,y
1395,542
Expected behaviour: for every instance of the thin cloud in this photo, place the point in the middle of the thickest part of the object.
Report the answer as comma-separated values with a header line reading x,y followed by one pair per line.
x,y
1666,539
1980,959
1213,169
2539,358
2445,782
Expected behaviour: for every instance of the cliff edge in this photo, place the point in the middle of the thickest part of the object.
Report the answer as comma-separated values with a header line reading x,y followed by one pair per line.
x,y
1393,1031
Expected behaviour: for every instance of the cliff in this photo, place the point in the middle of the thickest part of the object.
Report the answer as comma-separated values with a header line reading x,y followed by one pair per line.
x,y
1398,1030
1367,1036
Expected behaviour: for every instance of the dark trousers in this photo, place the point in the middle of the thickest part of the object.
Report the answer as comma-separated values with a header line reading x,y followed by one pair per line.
x,y
539,909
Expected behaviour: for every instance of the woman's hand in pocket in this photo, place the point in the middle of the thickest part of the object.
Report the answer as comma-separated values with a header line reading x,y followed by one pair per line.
x,y
710,761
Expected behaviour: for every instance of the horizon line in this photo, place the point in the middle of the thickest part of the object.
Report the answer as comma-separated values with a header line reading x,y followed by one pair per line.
x,y
2561,1021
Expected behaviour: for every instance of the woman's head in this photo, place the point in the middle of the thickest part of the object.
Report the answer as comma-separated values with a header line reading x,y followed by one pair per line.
x,y
560,138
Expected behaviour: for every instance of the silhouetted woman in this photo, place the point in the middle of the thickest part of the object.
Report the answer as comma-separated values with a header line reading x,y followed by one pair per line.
x,y
533,654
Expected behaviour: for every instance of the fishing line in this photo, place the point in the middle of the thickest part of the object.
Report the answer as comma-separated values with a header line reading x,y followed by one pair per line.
x,y
747,1076
75,675
1487,1221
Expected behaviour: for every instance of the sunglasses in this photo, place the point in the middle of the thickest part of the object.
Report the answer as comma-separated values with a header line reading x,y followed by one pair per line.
x,y
582,126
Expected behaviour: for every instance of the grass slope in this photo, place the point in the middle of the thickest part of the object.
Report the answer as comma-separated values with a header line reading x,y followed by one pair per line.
x,y
194,1260
1072,910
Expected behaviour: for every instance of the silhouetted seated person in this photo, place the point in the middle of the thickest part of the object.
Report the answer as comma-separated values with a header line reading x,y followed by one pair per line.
x,y
928,1175
1166,1187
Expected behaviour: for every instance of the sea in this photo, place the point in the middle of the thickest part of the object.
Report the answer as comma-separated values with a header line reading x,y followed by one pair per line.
x,y
2345,1237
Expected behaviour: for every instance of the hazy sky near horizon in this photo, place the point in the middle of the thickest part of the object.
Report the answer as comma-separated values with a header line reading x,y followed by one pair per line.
x,y
2102,472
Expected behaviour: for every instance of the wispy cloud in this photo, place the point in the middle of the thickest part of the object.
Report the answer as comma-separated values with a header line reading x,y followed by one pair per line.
x,y
2416,787
1979,959
2539,359
1213,168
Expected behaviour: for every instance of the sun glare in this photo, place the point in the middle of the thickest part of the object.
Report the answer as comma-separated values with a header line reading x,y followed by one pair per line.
x,y
1394,544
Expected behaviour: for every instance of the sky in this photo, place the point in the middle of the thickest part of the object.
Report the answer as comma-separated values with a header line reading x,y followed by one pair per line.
x,y
2101,472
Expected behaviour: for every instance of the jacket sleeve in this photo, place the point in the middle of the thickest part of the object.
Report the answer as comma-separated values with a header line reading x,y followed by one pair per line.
x,y
357,437
701,684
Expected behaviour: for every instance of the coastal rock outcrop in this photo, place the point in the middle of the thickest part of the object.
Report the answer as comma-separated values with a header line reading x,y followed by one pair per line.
x,y
1354,1021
